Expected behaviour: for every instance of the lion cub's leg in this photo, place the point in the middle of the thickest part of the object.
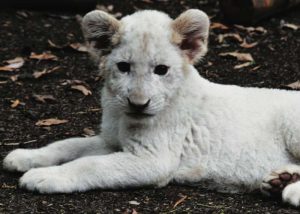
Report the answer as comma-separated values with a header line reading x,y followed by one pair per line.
x,y
62,151
284,182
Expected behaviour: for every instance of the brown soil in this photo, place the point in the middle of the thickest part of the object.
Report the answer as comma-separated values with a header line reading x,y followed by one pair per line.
x,y
23,32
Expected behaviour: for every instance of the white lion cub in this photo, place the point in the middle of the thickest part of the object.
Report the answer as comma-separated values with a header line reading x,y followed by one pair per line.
x,y
162,122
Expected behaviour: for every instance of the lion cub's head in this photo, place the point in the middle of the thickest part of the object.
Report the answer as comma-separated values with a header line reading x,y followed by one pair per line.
x,y
145,56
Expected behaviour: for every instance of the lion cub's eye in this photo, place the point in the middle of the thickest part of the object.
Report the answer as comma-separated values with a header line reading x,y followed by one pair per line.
x,y
123,66
161,69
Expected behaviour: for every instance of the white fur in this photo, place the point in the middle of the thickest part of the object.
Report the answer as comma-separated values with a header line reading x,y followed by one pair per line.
x,y
226,136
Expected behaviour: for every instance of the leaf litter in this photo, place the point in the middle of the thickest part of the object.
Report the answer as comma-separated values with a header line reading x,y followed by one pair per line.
x,y
252,29
218,25
43,98
294,85
15,103
247,45
243,65
82,89
245,57
80,47
88,132
50,122
284,24
38,74
179,201
13,64
43,56
235,36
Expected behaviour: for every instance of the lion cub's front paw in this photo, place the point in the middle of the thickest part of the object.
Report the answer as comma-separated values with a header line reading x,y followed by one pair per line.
x,y
21,160
47,180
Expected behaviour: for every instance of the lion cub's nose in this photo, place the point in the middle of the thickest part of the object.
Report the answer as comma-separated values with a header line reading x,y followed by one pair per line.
x,y
138,106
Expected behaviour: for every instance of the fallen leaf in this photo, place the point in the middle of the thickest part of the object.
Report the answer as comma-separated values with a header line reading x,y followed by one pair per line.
x,y
284,24
134,203
23,14
148,1
252,29
6,186
70,82
14,78
50,122
246,64
74,46
256,68
179,201
79,47
246,57
88,132
13,64
217,25
134,211
15,103
38,74
248,45
43,56
53,45
82,88
294,85
235,36
43,98
95,109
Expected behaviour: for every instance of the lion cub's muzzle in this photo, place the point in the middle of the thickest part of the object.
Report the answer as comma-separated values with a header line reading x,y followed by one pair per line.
x,y
138,109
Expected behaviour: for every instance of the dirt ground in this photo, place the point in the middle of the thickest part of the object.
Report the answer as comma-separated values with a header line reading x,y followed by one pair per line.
x,y
276,65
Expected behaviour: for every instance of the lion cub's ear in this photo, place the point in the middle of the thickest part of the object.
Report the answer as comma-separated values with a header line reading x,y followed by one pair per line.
x,y
191,30
100,30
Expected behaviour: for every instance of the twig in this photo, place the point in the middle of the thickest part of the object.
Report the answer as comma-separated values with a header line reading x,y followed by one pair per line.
x,y
17,144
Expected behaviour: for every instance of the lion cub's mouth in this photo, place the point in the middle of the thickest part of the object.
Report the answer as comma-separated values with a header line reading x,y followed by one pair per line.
x,y
138,115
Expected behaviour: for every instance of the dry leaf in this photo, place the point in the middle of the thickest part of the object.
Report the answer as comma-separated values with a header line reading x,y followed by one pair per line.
x,y
43,98
148,1
50,122
89,132
38,74
6,186
246,57
295,85
13,64
289,25
134,211
43,56
14,78
53,45
248,45
252,29
79,47
15,103
95,109
256,68
179,201
82,88
235,36
134,203
71,82
217,25
246,64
